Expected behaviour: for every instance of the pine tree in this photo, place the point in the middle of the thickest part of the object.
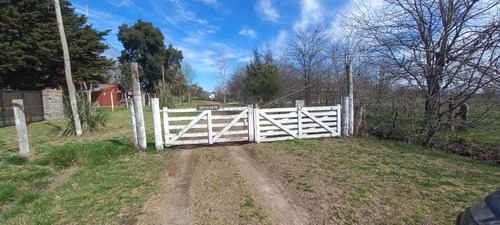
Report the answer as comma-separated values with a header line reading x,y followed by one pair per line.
x,y
31,56
263,81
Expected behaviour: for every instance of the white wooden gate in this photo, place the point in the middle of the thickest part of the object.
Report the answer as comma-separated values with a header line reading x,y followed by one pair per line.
x,y
207,127
190,126
296,123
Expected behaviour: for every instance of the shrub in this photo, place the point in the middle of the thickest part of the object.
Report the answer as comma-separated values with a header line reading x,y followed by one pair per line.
x,y
15,159
91,119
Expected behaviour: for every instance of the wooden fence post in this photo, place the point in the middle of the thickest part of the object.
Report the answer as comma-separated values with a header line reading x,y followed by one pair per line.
x,y
22,131
256,124
251,124
209,127
139,114
339,119
299,121
134,124
345,116
165,125
155,107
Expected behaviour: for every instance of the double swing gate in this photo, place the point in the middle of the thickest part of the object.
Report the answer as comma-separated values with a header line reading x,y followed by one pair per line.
x,y
192,126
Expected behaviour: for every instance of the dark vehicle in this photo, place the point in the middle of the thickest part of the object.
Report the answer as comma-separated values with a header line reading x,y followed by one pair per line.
x,y
484,212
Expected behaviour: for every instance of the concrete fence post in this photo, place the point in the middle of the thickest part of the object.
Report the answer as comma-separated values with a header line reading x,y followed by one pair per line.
x,y
155,107
22,131
134,125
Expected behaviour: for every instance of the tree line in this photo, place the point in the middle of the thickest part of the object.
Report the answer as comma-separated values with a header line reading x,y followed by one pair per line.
x,y
416,61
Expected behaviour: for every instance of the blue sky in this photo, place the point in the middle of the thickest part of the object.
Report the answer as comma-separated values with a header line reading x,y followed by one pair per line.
x,y
203,29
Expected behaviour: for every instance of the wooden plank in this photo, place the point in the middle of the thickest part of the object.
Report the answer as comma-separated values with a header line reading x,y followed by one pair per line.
x,y
321,108
339,130
304,132
278,110
189,142
205,134
294,114
195,110
317,135
230,125
198,126
319,122
294,126
263,114
189,126
214,117
232,139
294,121
165,125
277,139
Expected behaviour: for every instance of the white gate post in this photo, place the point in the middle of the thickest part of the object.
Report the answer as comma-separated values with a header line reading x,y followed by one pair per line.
x,y
112,102
251,125
299,121
22,131
339,118
138,103
257,125
345,116
209,127
165,125
155,107
134,124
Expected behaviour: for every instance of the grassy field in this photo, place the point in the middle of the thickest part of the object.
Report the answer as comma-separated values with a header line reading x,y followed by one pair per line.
x,y
100,178
370,181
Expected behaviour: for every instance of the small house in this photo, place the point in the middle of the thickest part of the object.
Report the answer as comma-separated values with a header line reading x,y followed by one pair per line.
x,y
104,94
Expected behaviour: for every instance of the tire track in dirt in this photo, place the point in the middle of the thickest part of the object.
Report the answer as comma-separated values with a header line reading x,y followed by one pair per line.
x,y
174,204
268,192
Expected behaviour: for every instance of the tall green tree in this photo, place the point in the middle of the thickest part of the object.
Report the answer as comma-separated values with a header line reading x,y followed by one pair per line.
x,y
263,81
31,56
143,43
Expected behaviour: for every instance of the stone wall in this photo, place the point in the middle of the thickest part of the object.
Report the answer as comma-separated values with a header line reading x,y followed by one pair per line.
x,y
52,104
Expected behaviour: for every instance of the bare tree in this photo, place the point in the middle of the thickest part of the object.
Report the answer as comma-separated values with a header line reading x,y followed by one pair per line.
x,y
223,72
446,49
189,76
307,55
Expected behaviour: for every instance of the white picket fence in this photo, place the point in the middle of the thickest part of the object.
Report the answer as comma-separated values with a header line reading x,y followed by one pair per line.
x,y
245,124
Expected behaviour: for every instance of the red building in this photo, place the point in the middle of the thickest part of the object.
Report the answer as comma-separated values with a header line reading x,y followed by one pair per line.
x,y
102,94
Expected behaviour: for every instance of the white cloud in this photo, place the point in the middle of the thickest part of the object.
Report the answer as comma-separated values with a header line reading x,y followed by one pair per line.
x,y
279,43
244,59
352,8
178,12
248,32
123,3
267,11
200,21
311,13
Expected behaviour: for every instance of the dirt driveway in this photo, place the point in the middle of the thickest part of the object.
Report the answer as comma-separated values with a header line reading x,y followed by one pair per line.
x,y
220,185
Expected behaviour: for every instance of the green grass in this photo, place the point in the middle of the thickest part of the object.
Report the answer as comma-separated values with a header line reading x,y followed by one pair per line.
x,y
410,180
107,181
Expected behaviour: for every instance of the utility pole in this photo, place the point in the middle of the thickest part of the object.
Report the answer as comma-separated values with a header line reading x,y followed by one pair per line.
x,y
67,70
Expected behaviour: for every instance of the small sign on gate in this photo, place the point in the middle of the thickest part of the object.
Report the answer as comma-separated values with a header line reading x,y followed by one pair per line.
x,y
207,107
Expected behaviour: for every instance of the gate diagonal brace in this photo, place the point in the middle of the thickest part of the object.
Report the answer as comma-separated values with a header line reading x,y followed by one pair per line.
x,y
227,127
315,119
267,117
187,127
